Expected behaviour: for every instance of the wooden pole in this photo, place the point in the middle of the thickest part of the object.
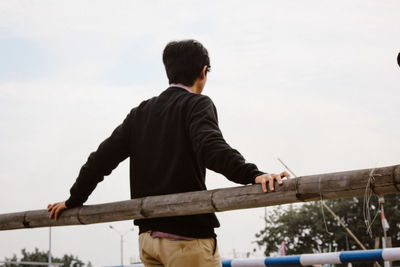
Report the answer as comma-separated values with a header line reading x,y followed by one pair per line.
x,y
307,188
347,230
344,226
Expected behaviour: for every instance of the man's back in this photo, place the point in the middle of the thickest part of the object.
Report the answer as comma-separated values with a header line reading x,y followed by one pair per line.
x,y
163,158
162,155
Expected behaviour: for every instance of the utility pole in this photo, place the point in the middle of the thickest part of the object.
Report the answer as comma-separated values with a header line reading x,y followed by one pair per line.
x,y
49,253
122,241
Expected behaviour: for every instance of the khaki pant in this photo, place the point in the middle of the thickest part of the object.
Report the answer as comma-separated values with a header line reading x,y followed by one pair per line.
x,y
159,252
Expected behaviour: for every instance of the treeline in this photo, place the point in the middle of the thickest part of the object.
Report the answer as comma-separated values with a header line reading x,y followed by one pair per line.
x,y
42,256
309,229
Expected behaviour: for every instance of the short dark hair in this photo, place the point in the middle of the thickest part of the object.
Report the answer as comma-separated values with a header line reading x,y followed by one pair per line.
x,y
184,61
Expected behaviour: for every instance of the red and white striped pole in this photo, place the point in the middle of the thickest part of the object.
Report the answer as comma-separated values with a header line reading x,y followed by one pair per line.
x,y
283,250
385,225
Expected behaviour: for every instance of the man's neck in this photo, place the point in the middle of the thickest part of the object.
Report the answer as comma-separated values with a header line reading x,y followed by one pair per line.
x,y
181,86
192,89
195,89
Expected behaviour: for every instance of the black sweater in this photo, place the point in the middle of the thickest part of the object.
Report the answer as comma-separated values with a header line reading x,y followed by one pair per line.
x,y
171,140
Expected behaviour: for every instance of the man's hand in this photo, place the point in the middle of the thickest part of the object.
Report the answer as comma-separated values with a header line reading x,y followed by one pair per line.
x,y
269,178
55,209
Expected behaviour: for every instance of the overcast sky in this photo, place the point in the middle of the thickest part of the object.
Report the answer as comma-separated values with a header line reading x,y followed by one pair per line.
x,y
314,82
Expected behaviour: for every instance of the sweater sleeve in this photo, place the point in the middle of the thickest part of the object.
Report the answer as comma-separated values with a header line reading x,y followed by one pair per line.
x,y
207,140
109,154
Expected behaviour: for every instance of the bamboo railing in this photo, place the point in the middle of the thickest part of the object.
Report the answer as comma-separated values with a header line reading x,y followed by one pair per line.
x,y
383,180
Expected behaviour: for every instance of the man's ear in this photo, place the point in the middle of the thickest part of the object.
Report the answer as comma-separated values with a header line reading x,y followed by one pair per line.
x,y
203,72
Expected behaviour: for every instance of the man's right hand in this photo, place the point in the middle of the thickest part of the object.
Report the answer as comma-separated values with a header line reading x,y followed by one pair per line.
x,y
269,178
55,209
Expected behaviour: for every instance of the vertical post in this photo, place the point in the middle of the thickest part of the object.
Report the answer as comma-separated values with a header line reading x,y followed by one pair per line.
x,y
122,241
389,245
385,226
122,250
376,243
49,254
385,263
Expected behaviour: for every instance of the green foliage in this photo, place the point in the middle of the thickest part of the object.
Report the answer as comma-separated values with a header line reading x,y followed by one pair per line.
x,y
13,258
41,256
302,228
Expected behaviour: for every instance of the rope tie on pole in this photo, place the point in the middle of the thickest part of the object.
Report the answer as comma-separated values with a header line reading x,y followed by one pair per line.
x,y
369,192
79,216
212,201
26,223
322,208
142,211
395,184
296,187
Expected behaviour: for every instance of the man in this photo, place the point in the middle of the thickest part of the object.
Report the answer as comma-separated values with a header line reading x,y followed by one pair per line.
x,y
171,139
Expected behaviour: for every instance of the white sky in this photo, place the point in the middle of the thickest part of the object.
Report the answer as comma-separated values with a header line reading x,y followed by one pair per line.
x,y
313,82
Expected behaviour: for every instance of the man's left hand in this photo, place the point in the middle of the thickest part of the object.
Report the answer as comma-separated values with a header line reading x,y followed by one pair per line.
x,y
55,209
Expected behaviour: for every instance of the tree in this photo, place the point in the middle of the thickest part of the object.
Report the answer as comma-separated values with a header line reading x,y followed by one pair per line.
x,y
13,258
303,228
42,256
